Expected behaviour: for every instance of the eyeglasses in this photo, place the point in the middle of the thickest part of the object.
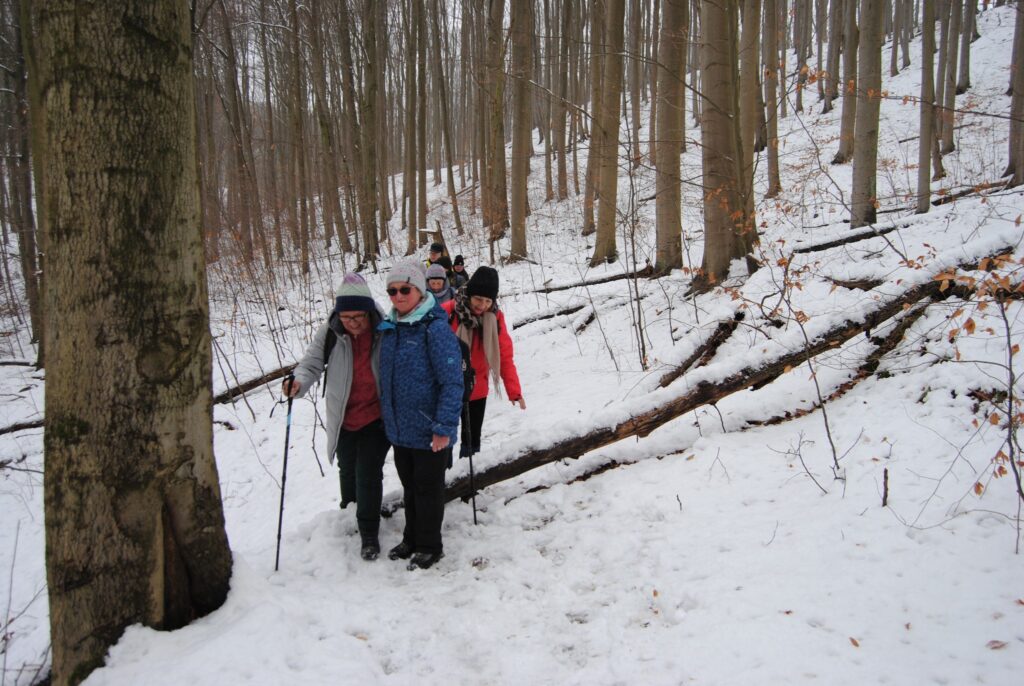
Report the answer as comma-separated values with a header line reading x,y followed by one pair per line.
x,y
352,318
404,290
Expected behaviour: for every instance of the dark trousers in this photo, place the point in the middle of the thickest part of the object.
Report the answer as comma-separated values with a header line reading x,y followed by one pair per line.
x,y
476,421
422,475
361,456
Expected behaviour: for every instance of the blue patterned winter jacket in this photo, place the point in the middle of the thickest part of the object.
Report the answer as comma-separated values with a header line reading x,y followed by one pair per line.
x,y
420,377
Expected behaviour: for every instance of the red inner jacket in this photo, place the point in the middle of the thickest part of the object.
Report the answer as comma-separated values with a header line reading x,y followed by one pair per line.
x,y
509,375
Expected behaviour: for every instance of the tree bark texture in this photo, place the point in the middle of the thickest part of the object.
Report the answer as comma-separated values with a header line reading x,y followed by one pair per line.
x,y
522,29
672,97
724,224
134,524
864,201
607,133
927,105
850,87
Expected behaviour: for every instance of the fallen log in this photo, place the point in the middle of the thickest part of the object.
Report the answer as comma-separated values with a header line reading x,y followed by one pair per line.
x,y
867,368
704,393
704,352
550,315
642,274
846,240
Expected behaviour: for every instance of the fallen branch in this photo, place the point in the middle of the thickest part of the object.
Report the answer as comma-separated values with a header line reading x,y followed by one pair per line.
x,y
242,389
22,426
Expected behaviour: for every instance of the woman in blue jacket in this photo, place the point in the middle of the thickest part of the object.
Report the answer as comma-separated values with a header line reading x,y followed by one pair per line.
x,y
421,402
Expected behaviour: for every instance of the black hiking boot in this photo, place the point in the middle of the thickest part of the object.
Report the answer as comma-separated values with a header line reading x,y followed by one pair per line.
x,y
402,551
423,561
370,549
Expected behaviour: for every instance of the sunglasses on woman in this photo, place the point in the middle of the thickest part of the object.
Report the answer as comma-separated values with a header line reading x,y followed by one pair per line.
x,y
404,290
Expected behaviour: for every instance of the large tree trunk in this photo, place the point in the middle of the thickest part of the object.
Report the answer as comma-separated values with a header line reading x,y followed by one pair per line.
x,y
562,74
671,47
495,69
927,105
771,76
750,104
963,81
21,180
835,42
724,224
864,201
134,524
597,51
522,29
607,132
949,68
850,88
446,125
1016,166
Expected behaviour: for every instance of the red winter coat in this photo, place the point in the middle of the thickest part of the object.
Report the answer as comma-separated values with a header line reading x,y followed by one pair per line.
x,y
477,357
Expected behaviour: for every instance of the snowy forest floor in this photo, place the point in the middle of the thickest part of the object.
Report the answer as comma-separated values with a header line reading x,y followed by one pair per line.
x,y
723,548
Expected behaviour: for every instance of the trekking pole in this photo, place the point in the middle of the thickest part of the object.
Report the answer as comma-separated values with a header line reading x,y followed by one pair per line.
x,y
284,471
467,451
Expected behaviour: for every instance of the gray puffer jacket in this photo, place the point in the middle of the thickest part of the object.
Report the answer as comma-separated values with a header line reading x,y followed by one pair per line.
x,y
339,371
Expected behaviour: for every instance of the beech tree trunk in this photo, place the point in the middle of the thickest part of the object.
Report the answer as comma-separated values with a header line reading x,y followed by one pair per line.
x,y
724,225
134,523
607,133
522,29
864,201
927,105
771,71
671,47
850,87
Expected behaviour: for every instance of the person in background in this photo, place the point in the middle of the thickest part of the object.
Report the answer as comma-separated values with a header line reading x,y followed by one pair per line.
x,y
459,275
436,253
421,402
347,346
476,319
437,284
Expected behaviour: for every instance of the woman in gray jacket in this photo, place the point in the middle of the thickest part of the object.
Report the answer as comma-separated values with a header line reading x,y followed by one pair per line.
x,y
346,345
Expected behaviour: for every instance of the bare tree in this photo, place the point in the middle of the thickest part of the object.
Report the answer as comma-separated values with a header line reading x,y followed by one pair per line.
x,y
864,200
927,105
607,131
671,48
522,28
134,523
771,71
850,87
726,234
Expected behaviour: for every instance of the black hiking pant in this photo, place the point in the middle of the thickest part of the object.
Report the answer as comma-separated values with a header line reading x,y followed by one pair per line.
x,y
361,455
476,421
422,475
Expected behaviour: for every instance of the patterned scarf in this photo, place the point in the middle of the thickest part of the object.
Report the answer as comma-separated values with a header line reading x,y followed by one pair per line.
x,y
487,324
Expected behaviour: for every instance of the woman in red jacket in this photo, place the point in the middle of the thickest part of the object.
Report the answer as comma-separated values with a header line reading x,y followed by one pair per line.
x,y
476,319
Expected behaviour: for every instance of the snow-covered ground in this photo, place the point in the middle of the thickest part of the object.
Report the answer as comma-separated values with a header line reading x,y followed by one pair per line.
x,y
719,550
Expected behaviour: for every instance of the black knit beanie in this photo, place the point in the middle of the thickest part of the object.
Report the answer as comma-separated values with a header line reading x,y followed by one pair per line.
x,y
483,282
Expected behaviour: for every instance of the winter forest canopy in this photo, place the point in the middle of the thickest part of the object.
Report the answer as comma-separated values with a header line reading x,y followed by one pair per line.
x,y
774,245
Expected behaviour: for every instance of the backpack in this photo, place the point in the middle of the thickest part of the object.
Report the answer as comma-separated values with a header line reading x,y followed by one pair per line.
x,y
329,340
